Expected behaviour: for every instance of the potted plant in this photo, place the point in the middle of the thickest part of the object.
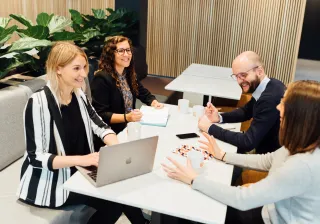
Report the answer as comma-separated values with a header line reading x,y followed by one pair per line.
x,y
39,36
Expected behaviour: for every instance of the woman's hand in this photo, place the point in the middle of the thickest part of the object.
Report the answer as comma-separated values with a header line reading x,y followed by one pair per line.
x,y
182,173
134,115
212,146
156,104
91,159
111,139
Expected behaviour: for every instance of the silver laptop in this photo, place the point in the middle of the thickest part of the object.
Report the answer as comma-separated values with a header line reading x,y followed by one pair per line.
x,y
122,161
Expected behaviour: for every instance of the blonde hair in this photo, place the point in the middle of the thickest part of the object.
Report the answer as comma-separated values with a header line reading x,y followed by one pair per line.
x,y
61,54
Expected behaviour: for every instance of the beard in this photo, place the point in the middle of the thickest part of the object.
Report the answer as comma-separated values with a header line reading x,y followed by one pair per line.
x,y
252,85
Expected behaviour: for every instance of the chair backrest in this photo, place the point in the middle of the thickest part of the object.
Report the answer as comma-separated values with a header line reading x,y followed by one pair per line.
x,y
12,102
245,98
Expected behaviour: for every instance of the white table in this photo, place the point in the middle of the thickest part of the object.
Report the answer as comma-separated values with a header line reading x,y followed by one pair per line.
x,y
155,191
207,80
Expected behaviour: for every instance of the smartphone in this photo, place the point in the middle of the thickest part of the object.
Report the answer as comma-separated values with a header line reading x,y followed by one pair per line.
x,y
188,135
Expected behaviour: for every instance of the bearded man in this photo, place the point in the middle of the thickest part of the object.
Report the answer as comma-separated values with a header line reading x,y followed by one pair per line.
x,y
262,135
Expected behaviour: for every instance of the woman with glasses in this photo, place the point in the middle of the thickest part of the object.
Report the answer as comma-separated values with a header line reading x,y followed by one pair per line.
x,y
290,193
115,87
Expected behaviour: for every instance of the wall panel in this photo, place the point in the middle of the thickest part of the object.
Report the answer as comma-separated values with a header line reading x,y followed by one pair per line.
x,y
181,32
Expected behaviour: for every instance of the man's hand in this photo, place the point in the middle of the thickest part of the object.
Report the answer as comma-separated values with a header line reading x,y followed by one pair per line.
x,y
204,123
212,113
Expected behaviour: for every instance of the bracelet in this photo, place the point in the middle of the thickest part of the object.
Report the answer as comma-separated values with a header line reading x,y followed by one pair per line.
x,y
191,182
125,118
222,157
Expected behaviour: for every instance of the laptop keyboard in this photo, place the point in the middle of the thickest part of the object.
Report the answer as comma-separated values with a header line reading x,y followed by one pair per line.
x,y
93,173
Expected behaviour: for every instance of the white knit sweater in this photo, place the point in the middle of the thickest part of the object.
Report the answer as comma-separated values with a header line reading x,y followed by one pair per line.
x,y
290,193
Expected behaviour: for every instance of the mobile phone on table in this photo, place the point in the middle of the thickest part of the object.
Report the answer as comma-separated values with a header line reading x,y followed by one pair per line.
x,y
187,135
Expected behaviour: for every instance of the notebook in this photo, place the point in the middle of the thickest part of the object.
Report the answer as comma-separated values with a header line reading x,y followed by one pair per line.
x,y
153,116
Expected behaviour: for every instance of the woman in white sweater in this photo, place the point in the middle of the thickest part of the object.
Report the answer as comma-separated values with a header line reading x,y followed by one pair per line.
x,y
290,193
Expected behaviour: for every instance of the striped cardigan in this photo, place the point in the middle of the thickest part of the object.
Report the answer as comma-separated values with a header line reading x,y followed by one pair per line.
x,y
40,184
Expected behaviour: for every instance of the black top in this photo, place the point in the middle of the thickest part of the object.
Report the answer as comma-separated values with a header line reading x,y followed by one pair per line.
x,y
75,133
107,98
264,129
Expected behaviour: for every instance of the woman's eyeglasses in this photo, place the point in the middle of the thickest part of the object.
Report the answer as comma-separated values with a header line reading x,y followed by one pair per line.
x,y
121,51
242,75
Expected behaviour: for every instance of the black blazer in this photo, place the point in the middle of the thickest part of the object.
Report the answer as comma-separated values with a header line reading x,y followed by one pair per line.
x,y
107,98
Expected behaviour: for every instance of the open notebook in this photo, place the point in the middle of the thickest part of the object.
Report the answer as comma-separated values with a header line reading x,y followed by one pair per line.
x,y
152,116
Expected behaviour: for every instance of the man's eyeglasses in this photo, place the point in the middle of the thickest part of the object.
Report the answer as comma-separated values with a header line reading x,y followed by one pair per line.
x,y
121,51
242,75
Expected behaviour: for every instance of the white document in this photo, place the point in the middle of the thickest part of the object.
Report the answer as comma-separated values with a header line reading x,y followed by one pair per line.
x,y
153,116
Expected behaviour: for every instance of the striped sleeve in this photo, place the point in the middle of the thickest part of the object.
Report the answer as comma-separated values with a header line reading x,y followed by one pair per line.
x,y
99,127
35,132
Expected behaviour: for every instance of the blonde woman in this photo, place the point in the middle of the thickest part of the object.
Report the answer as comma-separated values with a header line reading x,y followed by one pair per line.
x,y
290,193
59,122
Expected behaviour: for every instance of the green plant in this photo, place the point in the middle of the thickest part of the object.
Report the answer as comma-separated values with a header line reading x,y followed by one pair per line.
x,y
39,36
95,28
5,31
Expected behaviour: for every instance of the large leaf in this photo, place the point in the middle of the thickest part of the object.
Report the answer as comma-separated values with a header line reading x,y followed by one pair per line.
x,y
91,22
65,35
37,32
4,22
75,16
5,34
28,43
22,19
90,33
44,19
99,13
58,23
110,10
8,64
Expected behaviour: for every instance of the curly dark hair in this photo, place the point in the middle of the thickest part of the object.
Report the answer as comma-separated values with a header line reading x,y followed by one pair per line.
x,y
107,62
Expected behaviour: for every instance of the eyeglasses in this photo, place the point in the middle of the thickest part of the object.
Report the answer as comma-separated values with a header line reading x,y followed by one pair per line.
x,y
242,75
121,51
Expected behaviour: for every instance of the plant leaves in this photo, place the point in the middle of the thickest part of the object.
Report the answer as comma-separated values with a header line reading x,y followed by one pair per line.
x,y
4,22
37,32
28,43
75,16
110,10
99,13
8,64
5,34
58,23
44,19
65,35
88,34
91,22
21,19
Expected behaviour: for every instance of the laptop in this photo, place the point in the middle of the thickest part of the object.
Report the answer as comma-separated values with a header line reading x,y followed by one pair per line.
x,y
122,161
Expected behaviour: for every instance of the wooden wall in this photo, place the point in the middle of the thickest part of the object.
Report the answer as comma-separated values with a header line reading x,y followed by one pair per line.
x,y
214,32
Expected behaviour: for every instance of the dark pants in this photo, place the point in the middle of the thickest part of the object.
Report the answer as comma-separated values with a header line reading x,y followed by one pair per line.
x,y
252,216
159,218
236,175
107,211
244,217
